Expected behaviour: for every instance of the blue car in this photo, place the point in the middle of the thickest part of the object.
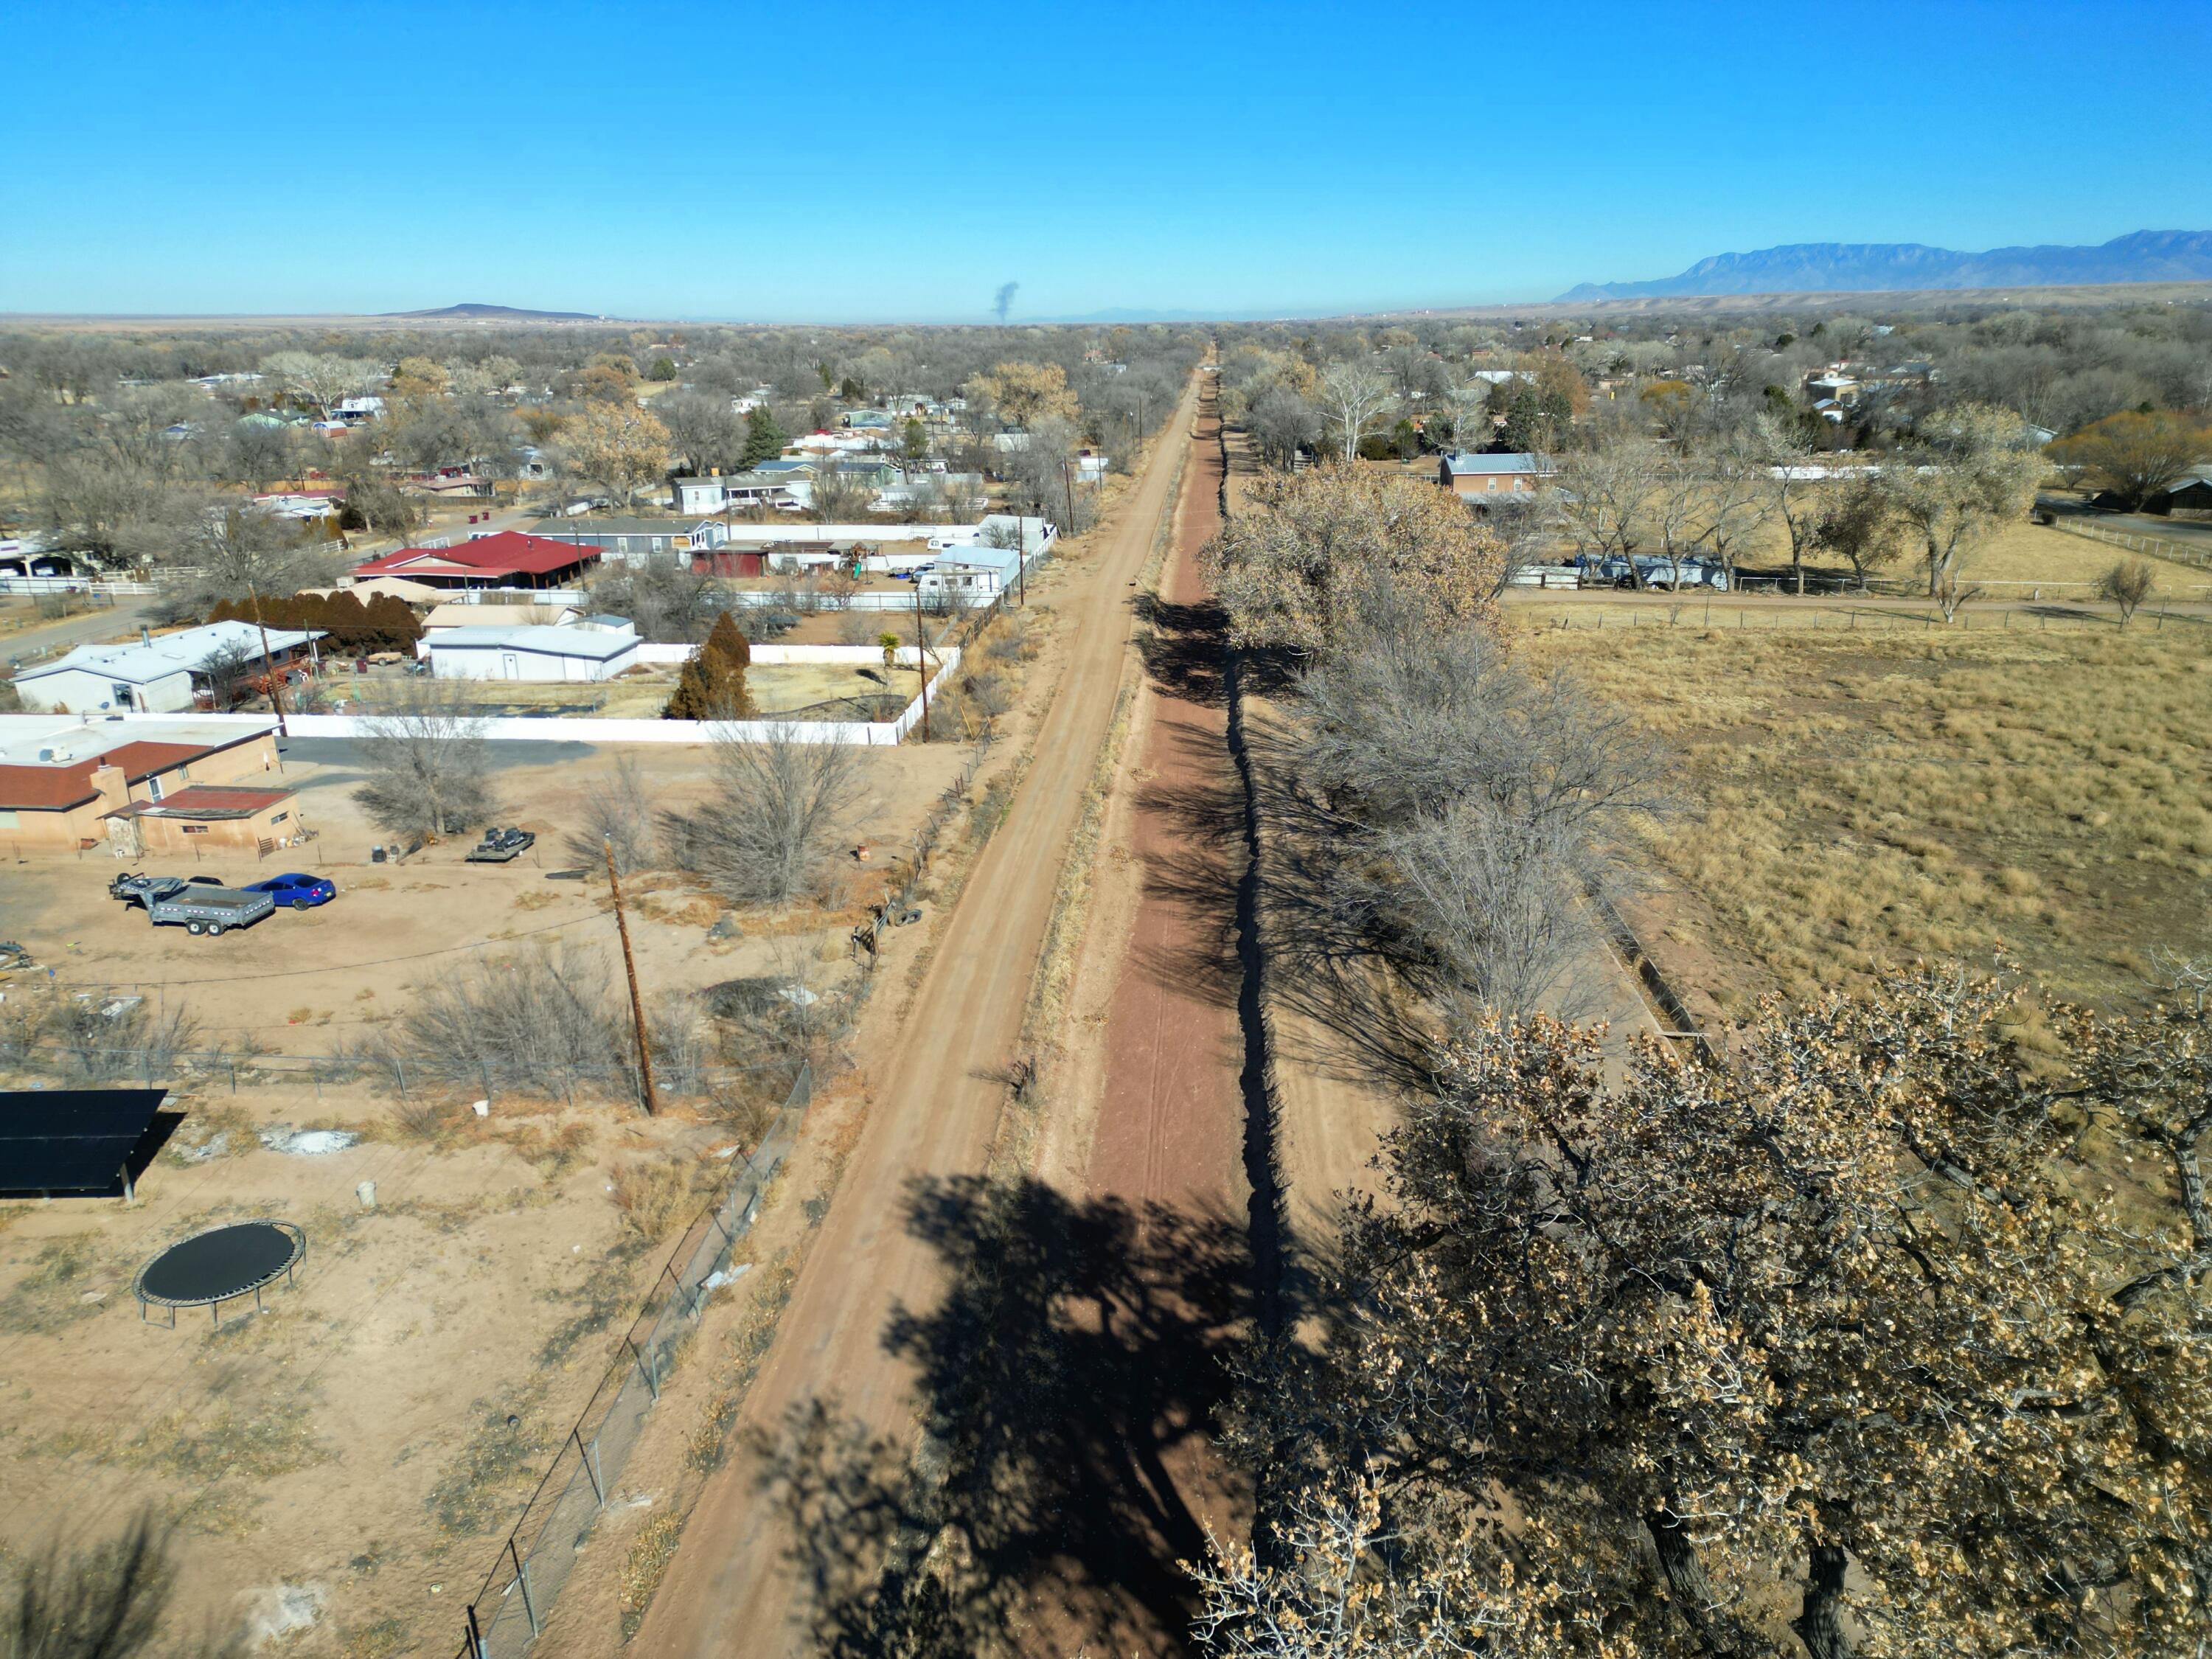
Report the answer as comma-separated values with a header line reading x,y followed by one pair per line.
x,y
300,892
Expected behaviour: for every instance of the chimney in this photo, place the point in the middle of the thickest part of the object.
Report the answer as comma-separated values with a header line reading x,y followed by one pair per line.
x,y
112,784
145,634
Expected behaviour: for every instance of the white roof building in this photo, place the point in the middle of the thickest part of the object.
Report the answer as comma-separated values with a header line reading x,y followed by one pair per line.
x,y
158,674
537,655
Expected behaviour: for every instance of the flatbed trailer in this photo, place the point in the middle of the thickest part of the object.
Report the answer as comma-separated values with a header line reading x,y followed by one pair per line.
x,y
172,902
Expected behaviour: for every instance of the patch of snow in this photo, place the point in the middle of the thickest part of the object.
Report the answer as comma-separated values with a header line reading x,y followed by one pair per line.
x,y
307,1143
280,1609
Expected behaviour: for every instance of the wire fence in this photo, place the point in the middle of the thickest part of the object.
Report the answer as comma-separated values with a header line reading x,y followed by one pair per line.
x,y
535,1562
92,1063
1844,618
2158,547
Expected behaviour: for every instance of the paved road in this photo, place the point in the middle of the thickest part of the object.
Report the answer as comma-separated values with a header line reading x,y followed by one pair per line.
x,y
733,1588
93,627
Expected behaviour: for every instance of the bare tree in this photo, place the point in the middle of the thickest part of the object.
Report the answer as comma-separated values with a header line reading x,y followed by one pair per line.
x,y
1282,423
765,835
1972,470
543,1020
1608,491
618,813
2127,584
426,764
112,1601
1794,474
1859,520
239,553
1354,395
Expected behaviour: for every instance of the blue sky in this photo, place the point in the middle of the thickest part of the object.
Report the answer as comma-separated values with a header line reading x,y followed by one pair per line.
x,y
899,163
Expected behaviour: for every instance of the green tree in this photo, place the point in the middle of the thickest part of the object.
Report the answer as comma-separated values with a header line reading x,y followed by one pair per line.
x,y
765,438
664,368
916,446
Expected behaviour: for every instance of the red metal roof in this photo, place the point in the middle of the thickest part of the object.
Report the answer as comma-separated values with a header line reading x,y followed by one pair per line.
x,y
205,800
510,552
58,788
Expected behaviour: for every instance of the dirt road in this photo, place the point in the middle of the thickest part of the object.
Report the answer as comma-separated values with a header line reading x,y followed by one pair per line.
x,y
848,1353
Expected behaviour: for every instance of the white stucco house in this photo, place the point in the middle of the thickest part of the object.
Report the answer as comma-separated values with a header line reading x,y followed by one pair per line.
x,y
592,652
157,674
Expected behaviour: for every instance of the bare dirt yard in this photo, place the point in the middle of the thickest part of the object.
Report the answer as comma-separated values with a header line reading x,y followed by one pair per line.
x,y
350,1459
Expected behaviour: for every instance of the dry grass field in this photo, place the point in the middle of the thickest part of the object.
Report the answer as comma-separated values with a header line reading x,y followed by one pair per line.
x,y
1863,798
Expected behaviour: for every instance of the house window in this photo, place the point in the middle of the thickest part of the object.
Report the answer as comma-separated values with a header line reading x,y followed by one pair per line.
x,y
153,788
121,695
8,821
193,828
278,819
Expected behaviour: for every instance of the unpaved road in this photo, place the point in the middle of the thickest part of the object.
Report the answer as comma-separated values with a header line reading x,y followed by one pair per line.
x,y
737,1586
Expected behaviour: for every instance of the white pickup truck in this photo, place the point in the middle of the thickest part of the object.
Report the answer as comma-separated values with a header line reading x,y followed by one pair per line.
x,y
196,908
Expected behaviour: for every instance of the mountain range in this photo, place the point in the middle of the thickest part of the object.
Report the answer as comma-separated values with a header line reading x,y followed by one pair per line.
x,y
501,313
2144,256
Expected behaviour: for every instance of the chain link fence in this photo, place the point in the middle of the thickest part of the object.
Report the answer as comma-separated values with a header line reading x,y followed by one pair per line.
x,y
518,1594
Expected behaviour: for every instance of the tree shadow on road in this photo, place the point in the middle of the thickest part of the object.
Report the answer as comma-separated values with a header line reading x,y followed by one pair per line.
x,y
1069,1378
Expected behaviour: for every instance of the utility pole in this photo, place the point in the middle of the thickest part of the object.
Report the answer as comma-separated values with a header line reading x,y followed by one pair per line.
x,y
630,967
268,670
921,661
1068,482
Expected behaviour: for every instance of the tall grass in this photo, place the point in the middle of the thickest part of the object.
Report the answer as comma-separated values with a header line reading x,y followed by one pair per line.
x,y
1871,799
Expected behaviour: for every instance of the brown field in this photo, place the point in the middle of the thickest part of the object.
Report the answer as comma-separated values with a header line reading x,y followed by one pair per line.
x,y
1865,798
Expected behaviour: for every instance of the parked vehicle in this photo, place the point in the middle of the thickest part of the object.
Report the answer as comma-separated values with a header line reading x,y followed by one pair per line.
x,y
501,846
207,881
301,892
168,900
1651,570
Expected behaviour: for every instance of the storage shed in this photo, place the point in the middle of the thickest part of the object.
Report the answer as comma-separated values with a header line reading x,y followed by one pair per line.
x,y
530,654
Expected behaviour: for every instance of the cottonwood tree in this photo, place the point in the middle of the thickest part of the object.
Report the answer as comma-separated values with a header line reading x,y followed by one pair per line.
x,y
776,804
706,430
426,764
1972,470
1794,476
320,379
1856,520
1470,807
1025,392
1344,1580
2135,455
1290,564
1354,395
120,519
616,446
240,554
1281,423
1831,1349
1609,491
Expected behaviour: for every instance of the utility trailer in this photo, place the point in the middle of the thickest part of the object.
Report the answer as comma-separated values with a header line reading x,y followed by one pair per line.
x,y
501,846
170,900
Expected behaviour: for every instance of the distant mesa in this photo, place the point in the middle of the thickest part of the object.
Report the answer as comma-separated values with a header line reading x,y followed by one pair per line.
x,y
503,313
2145,256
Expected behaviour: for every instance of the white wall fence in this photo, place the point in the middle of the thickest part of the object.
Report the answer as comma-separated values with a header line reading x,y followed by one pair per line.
x,y
113,587
875,734
850,656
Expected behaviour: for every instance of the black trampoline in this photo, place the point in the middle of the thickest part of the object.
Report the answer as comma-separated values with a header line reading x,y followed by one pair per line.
x,y
211,1269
